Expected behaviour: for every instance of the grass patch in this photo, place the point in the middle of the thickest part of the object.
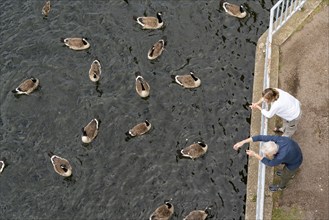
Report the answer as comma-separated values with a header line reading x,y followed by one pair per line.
x,y
289,214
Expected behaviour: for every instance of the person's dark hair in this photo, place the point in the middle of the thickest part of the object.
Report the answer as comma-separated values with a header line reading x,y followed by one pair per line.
x,y
270,94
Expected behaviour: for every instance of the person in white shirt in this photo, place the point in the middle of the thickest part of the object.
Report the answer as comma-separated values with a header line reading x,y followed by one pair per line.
x,y
283,105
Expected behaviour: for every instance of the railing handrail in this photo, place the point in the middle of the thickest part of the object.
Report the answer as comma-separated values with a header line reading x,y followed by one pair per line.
x,y
288,8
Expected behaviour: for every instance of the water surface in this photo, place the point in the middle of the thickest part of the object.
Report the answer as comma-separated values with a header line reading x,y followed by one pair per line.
x,y
117,178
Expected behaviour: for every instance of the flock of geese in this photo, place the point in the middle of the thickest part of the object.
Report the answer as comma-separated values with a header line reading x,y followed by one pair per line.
x,y
90,131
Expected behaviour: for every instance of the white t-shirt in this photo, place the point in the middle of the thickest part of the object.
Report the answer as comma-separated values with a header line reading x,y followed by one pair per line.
x,y
286,107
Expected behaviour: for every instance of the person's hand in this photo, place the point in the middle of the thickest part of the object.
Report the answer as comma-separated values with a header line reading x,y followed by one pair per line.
x,y
250,153
237,145
253,105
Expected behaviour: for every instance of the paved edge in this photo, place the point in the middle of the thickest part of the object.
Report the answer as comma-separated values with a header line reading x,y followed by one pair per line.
x,y
292,25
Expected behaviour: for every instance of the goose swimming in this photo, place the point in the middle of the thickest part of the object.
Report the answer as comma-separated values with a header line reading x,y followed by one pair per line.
x,y
142,87
234,10
197,215
46,9
27,86
163,212
90,131
76,43
195,150
187,81
95,71
151,22
156,50
61,165
140,129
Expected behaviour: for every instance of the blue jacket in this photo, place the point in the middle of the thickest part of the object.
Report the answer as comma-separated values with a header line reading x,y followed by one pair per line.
x,y
289,152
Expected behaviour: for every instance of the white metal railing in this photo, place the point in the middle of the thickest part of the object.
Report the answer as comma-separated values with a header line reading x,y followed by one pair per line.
x,y
279,15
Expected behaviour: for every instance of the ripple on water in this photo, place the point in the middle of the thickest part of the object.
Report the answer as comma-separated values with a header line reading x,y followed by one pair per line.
x,y
116,178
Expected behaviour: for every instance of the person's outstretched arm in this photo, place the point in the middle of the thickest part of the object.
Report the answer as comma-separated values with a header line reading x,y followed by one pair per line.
x,y
241,143
256,105
249,152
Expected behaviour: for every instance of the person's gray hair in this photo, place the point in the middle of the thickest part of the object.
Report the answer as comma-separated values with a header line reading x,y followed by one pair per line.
x,y
270,148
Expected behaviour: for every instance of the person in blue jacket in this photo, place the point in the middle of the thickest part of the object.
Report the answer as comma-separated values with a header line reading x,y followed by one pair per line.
x,y
277,150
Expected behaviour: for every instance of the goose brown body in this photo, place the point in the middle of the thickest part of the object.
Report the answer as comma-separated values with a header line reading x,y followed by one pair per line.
x,y
95,71
46,8
90,131
140,128
26,87
163,212
141,86
150,22
196,215
234,10
76,43
188,81
195,150
156,50
61,165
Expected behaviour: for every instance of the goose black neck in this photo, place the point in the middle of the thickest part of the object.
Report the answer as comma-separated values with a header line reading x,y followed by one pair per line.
x,y
168,205
159,18
63,166
142,84
202,144
195,79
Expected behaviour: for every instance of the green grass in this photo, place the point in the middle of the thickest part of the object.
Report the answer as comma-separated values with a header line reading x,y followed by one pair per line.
x,y
290,214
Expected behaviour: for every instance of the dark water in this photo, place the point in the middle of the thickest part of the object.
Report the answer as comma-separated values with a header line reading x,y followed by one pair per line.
x,y
114,178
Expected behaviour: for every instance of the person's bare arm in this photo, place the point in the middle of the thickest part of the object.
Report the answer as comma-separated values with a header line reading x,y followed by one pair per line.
x,y
257,104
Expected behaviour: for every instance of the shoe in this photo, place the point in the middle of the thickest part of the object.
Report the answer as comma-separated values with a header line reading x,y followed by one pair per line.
x,y
278,172
278,129
275,188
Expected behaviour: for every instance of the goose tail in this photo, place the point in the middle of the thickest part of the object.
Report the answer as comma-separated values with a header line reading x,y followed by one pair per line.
x,y
164,38
50,154
221,3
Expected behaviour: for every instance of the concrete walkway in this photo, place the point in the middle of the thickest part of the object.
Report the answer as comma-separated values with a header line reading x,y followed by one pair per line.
x,y
303,72
299,66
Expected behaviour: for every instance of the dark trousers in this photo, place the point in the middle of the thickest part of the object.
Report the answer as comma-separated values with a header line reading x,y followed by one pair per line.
x,y
286,176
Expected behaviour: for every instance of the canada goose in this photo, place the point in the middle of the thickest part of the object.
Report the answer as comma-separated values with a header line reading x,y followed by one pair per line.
x,y
187,81
27,86
156,50
61,165
151,22
163,212
140,129
90,131
2,165
46,9
76,43
195,150
142,87
95,71
234,10
197,215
